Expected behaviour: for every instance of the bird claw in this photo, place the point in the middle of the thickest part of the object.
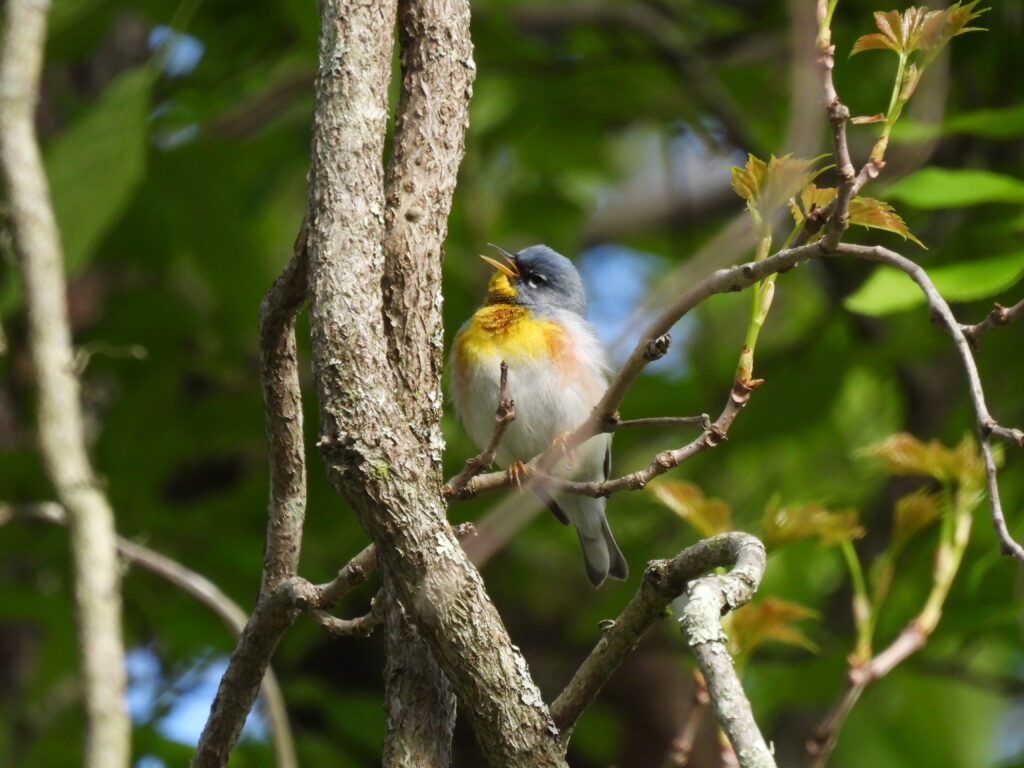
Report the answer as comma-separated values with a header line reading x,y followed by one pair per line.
x,y
516,473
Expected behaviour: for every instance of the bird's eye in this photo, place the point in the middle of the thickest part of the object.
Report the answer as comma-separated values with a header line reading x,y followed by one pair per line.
x,y
535,281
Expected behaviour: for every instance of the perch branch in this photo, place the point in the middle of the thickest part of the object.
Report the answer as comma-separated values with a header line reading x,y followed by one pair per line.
x,y
504,415
363,626
987,426
61,434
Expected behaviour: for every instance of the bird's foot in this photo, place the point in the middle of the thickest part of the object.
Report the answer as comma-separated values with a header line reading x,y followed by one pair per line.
x,y
517,473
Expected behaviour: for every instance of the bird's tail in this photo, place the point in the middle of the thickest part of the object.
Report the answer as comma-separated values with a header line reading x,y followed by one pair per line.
x,y
601,555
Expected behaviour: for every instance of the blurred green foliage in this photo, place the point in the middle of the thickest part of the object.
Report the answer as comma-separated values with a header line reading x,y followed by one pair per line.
x,y
179,198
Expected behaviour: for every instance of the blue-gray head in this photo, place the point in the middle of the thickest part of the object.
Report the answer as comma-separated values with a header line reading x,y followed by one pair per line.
x,y
536,277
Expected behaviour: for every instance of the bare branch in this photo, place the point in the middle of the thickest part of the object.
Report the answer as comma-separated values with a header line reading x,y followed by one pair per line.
x,y
504,415
987,426
703,421
282,402
707,600
663,581
97,581
997,317
362,626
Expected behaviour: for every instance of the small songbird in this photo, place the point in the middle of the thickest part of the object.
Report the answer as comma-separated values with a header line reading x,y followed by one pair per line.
x,y
557,372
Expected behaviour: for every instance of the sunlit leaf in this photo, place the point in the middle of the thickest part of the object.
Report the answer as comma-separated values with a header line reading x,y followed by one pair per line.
x,y
904,454
876,214
708,516
913,513
770,619
864,211
768,185
890,290
874,41
942,26
784,524
949,188
917,28
96,164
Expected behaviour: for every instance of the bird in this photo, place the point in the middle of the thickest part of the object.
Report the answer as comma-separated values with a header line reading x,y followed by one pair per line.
x,y
533,320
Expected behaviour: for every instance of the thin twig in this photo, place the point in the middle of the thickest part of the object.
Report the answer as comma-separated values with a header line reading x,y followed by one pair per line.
x,y
61,432
714,435
504,415
987,426
362,626
703,421
997,317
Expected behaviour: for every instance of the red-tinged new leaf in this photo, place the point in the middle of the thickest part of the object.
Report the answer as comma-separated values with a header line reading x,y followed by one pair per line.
x,y
904,454
708,516
767,620
866,119
912,514
876,214
918,29
942,26
768,185
811,197
874,41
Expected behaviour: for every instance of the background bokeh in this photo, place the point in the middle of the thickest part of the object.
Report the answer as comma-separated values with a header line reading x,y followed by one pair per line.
x,y
177,140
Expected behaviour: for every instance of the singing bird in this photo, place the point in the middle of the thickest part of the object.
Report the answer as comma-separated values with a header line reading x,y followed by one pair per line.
x,y
557,371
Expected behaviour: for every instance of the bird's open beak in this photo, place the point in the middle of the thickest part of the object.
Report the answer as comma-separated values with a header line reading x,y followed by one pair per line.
x,y
510,269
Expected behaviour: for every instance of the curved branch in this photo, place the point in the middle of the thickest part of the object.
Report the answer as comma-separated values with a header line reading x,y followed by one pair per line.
x,y
707,600
987,426
97,581
663,581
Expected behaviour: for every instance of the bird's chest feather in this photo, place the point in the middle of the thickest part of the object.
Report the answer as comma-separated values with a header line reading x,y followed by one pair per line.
x,y
553,390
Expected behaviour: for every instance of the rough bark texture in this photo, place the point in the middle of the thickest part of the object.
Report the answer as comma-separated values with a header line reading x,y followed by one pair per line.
x,y
383,452
97,580
419,706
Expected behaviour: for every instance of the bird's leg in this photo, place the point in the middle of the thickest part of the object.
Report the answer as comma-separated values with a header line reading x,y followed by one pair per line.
x,y
517,473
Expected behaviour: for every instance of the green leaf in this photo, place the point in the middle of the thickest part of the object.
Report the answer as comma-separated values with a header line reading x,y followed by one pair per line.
x,y
864,211
1005,123
918,29
96,164
949,188
890,290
